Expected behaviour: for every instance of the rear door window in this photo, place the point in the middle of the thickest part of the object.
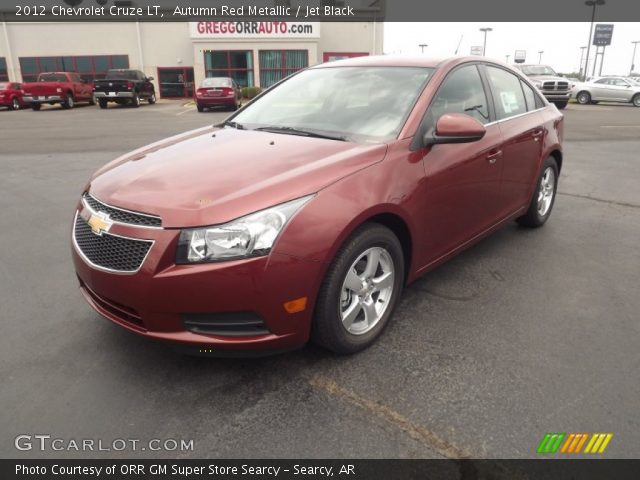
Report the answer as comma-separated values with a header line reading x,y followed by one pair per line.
x,y
532,99
507,93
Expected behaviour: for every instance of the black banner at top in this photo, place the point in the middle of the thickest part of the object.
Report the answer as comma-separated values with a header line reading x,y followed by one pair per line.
x,y
317,10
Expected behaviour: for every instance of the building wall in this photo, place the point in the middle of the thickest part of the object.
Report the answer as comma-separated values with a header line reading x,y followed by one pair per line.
x,y
168,44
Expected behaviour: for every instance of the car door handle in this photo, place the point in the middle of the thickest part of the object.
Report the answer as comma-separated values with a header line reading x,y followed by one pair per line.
x,y
537,134
494,156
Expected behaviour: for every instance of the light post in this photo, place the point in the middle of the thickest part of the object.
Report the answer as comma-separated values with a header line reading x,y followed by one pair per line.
x,y
582,49
484,46
594,4
422,47
540,57
633,58
507,58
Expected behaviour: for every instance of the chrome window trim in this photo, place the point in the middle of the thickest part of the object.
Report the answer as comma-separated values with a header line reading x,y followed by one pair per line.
x,y
122,210
515,116
105,269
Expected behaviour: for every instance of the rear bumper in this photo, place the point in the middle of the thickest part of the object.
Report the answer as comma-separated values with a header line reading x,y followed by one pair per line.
x,y
114,97
215,101
162,300
42,99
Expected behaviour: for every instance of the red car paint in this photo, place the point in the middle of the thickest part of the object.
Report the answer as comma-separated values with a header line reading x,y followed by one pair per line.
x,y
11,95
439,199
225,93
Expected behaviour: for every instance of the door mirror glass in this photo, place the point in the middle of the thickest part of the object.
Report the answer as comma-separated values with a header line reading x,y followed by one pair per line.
x,y
455,128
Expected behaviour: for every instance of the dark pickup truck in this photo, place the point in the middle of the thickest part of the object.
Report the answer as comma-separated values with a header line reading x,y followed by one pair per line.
x,y
124,87
65,88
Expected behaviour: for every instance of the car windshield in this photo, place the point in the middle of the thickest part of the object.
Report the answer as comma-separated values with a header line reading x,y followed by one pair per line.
x,y
4,86
366,104
121,74
538,70
216,82
52,77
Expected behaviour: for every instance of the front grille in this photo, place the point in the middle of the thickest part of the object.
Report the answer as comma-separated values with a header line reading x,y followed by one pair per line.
x,y
555,86
227,324
110,251
563,85
120,215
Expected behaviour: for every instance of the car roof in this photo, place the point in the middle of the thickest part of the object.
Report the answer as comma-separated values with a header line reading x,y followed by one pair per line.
x,y
408,61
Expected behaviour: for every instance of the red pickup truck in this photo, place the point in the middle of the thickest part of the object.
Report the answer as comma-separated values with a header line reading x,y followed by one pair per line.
x,y
65,88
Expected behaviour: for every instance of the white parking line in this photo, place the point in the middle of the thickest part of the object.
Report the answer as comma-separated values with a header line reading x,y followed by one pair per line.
x,y
619,126
188,109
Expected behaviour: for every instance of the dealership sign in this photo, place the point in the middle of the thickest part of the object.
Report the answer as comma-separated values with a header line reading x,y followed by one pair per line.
x,y
603,34
520,56
261,30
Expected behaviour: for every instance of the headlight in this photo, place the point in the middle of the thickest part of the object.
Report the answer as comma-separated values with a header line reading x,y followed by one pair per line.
x,y
250,236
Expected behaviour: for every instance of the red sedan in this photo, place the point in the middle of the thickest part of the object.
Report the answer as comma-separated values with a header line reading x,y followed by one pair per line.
x,y
306,213
11,95
218,92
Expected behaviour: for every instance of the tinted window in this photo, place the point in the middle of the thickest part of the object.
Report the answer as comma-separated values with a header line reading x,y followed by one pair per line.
x,y
604,81
530,96
120,74
618,82
52,77
507,93
217,82
461,92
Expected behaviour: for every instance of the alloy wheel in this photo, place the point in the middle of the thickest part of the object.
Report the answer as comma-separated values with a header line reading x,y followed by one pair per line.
x,y
546,191
367,290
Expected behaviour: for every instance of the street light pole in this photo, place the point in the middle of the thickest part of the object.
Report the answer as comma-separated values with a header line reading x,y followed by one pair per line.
x,y
484,46
422,47
594,4
507,58
633,58
582,49
540,57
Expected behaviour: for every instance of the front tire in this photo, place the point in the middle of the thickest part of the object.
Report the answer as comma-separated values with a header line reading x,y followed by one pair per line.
x,y
583,98
135,101
152,99
561,105
15,104
636,100
360,291
36,107
543,196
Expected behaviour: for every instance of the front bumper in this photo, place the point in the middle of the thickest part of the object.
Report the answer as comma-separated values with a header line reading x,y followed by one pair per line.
x,y
116,95
42,99
159,300
557,96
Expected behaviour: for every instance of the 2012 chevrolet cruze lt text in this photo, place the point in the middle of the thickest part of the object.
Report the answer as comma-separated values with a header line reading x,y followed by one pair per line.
x,y
305,213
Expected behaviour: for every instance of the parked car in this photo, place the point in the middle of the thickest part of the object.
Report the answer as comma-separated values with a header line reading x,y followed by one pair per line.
x,y
65,88
307,212
608,89
555,88
125,87
218,92
11,95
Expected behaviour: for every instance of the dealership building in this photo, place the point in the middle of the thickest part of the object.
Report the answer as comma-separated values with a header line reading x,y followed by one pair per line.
x,y
180,55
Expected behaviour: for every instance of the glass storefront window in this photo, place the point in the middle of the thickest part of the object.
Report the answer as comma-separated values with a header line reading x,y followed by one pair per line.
x,y
90,67
4,77
278,64
237,64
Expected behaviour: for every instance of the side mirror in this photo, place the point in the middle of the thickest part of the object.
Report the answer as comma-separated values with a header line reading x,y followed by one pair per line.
x,y
149,78
455,128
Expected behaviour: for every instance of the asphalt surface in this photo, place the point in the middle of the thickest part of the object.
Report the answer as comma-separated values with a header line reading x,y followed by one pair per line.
x,y
528,332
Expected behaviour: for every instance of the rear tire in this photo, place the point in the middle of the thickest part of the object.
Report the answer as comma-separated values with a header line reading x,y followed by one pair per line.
x,y
102,102
200,108
152,99
360,290
543,197
36,107
68,102
583,98
15,104
561,105
135,100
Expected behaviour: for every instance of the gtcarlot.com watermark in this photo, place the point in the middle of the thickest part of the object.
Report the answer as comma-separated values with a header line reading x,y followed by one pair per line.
x,y
49,443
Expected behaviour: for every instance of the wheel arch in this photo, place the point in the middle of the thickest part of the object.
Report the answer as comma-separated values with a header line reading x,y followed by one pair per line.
x,y
557,156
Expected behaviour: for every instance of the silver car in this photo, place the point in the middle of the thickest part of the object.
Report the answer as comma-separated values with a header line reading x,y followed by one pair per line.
x,y
607,89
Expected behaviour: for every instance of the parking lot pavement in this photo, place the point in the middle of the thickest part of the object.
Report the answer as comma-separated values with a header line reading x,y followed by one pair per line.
x,y
527,332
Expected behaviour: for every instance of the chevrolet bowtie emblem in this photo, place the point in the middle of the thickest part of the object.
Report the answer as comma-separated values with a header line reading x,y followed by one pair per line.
x,y
99,223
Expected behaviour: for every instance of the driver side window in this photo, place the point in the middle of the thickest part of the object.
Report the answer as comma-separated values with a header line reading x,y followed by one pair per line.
x,y
461,92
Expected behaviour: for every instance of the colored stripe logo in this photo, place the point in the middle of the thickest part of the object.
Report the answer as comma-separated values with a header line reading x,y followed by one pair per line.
x,y
574,442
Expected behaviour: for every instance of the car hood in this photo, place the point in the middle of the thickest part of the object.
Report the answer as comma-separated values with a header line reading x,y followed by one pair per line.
x,y
548,78
211,176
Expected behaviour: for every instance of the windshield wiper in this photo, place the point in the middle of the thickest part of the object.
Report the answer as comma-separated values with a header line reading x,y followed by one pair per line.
x,y
231,123
301,131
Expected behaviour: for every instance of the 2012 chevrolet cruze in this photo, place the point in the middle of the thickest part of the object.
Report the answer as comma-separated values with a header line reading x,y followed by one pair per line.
x,y
306,213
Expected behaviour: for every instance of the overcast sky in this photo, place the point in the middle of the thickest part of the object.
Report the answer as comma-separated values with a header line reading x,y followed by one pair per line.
x,y
560,42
